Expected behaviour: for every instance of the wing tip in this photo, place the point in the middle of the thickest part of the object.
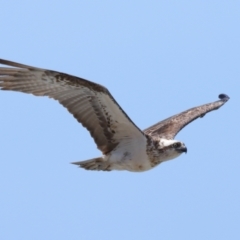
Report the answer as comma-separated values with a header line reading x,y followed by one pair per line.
x,y
224,97
15,64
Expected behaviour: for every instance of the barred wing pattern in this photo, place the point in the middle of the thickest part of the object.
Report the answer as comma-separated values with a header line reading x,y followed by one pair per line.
x,y
90,103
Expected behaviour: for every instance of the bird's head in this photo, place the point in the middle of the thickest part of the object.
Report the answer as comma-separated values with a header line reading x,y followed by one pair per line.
x,y
171,148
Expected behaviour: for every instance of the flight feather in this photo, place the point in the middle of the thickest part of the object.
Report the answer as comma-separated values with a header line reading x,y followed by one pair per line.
x,y
90,103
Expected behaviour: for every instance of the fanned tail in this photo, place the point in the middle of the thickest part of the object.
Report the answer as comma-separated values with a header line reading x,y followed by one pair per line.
x,y
97,164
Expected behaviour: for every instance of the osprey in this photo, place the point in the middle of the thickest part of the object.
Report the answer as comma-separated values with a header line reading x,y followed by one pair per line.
x,y
123,145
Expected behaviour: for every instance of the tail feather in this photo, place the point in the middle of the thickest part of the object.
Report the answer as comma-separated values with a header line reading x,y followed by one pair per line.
x,y
94,164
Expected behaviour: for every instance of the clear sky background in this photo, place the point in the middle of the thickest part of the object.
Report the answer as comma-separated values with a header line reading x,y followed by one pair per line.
x,y
157,58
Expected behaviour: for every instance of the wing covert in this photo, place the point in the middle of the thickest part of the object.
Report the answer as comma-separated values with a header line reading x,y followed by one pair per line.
x,y
169,127
90,103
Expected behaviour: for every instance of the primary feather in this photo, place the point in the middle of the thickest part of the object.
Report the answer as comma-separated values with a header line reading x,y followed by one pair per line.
x,y
124,146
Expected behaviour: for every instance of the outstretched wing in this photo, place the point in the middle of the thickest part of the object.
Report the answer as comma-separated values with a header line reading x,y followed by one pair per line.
x,y
169,127
90,103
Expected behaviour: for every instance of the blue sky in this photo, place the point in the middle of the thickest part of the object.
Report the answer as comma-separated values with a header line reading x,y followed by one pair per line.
x,y
157,58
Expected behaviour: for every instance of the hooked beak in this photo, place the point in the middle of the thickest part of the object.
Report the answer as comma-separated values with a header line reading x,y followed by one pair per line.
x,y
182,149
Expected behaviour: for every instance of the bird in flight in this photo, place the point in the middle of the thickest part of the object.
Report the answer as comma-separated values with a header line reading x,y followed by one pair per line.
x,y
123,145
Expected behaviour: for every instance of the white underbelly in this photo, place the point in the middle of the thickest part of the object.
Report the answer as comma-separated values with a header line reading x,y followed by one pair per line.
x,y
131,156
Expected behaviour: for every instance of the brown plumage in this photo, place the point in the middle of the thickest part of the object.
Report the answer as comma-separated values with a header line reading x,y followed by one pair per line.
x,y
83,98
123,144
170,127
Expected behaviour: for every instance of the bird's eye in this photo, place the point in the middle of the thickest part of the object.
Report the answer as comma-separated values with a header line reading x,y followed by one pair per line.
x,y
177,145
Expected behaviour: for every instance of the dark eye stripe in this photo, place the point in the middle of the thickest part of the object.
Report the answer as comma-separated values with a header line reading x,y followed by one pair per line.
x,y
176,145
